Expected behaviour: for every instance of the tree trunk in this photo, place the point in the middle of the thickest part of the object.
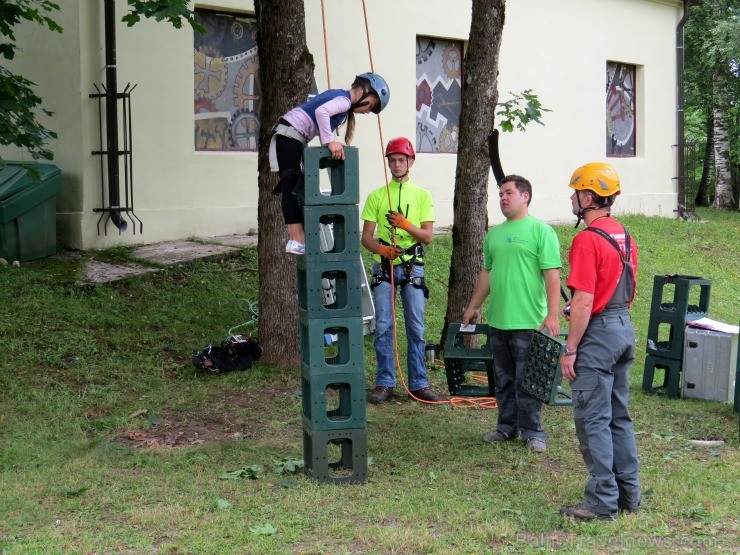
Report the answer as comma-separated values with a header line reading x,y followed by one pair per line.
x,y
702,193
723,197
286,67
479,99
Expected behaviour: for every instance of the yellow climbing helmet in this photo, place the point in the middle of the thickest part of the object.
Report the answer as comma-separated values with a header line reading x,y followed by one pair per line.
x,y
598,177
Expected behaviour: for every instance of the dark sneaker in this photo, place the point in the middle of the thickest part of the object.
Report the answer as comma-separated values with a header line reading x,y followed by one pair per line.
x,y
380,394
582,514
497,435
425,394
629,510
536,444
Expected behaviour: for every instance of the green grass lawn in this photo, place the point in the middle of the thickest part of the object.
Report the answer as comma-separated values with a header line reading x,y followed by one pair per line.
x,y
112,442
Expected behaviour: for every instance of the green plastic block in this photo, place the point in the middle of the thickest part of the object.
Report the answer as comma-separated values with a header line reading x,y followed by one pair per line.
x,y
333,401
343,185
351,465
679,298
671,386
332,232
676,300
542,375
468,351
345,353
665,339
329,289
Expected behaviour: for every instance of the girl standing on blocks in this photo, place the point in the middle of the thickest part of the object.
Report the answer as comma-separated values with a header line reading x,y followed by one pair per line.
x,y
319,117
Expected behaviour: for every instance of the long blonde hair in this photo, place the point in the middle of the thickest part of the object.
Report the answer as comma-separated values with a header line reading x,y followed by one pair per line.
x,y
359,83
350,131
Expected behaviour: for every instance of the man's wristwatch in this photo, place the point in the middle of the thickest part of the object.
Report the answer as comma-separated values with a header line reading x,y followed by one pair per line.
x,y
567,353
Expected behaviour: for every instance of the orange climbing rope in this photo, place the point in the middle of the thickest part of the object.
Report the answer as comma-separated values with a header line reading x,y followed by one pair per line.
x,y
326,46
455,402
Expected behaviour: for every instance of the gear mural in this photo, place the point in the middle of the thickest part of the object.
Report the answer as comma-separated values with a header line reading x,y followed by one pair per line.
x,y
244,130
247,89
448,139
452,62
438,94
227,88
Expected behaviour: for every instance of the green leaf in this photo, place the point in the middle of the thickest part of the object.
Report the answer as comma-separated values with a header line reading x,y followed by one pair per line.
x,y
223,504
266,529
250,472
73,492
520,110
288,465
173,11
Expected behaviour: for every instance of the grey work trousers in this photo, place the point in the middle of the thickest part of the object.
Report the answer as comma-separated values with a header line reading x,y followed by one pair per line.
x,y
606,435
518,412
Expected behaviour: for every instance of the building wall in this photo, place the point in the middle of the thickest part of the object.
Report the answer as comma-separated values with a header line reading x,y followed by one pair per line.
x,y
558,49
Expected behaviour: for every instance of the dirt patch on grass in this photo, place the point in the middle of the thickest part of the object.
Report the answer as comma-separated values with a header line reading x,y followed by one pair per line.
x,y
234,415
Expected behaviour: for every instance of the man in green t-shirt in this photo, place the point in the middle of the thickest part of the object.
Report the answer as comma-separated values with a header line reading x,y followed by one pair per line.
x,y
521,273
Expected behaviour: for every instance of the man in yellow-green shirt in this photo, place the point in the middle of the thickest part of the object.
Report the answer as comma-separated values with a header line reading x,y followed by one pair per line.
x,y
409,218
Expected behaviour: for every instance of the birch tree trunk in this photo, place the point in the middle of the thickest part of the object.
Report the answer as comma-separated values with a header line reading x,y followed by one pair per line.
x,y
723,197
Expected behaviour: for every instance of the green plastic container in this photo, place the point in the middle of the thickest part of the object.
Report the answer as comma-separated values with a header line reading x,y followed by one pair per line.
x,y
28,211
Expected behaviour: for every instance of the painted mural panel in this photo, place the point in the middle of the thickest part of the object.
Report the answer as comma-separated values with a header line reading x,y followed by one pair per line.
x,y
227,89
620,109
438,94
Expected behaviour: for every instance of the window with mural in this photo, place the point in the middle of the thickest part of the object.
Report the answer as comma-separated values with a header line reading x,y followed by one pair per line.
x,y
438,94
227,88
620,109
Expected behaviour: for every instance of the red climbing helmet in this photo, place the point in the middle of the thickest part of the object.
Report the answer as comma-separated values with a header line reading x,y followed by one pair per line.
x,y
400,145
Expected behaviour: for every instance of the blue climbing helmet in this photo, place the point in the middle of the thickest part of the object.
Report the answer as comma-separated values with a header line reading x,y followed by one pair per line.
x,y
378,86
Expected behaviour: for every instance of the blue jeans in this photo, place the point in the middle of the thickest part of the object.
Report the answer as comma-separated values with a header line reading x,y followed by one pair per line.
x,y
606,435
413,312
518,412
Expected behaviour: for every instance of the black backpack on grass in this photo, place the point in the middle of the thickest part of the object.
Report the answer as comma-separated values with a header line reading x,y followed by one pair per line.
x,y
237,352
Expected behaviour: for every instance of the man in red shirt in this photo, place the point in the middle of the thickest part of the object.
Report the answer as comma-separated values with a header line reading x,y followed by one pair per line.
x,y
600,346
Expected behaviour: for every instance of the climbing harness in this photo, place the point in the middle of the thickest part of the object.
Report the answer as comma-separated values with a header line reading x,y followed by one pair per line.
x,y
416,252
626,285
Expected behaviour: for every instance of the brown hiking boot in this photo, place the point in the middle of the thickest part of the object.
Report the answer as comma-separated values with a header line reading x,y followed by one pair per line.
x,y
425,394
582,514
380,394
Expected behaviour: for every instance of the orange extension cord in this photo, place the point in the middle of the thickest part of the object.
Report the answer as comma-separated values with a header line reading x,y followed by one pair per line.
x,y
454,402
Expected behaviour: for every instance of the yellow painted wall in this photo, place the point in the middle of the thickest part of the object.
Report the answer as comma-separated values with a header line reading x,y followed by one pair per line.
x,y
558,48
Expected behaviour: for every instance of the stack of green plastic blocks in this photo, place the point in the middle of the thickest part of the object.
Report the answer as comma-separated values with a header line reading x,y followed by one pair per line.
x,y
331,324
676,300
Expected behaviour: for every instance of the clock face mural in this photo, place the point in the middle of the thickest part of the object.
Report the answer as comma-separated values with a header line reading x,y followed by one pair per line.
x,y
438,94
620,109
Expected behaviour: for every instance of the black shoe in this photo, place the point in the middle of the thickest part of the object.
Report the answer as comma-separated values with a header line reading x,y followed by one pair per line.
x,y
497,436
380,394
582,514
425,394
